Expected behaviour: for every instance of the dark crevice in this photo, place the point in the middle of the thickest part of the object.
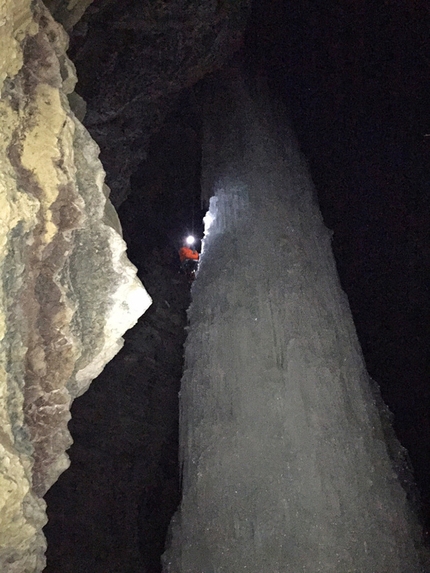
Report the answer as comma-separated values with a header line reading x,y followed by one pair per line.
x,y
116,501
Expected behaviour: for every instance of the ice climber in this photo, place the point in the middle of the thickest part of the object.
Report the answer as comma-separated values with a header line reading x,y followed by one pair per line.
x,y
188,256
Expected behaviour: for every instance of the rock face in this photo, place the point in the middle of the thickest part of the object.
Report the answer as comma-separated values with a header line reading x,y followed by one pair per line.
x,y
68,13
133,59
68,292
284,463
115,501
117,498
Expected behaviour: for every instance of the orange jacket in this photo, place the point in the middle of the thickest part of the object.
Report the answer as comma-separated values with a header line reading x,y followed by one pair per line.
x,y
187,253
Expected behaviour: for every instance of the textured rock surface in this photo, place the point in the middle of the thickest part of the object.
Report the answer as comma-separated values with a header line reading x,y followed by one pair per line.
x,y
133,58
66,12
115,501
67,290
285,468
118,496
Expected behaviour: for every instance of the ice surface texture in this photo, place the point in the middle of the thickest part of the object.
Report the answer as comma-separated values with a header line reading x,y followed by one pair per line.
x,y
285,468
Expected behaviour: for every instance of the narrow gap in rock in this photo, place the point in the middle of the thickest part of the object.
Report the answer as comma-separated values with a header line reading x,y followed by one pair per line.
x,y
109,512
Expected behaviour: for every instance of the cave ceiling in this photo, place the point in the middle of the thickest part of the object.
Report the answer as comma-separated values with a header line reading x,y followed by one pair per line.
x,y
134,58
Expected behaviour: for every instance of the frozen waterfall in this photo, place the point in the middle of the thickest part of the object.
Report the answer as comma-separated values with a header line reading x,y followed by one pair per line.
x,y
285,469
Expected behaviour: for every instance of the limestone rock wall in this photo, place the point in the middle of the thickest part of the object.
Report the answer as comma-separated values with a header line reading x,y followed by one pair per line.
x,y
67,290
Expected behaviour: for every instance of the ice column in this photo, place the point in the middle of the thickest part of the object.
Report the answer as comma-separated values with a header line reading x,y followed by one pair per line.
x,y
284,464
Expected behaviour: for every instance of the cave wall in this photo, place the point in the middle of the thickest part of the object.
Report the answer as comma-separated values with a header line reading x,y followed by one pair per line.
x,y
68,292
133,60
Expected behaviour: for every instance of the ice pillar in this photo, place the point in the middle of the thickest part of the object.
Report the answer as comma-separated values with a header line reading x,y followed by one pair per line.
x,y
284,465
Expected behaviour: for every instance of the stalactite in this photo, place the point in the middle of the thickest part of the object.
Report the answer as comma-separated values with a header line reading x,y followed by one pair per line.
x,y
285,468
